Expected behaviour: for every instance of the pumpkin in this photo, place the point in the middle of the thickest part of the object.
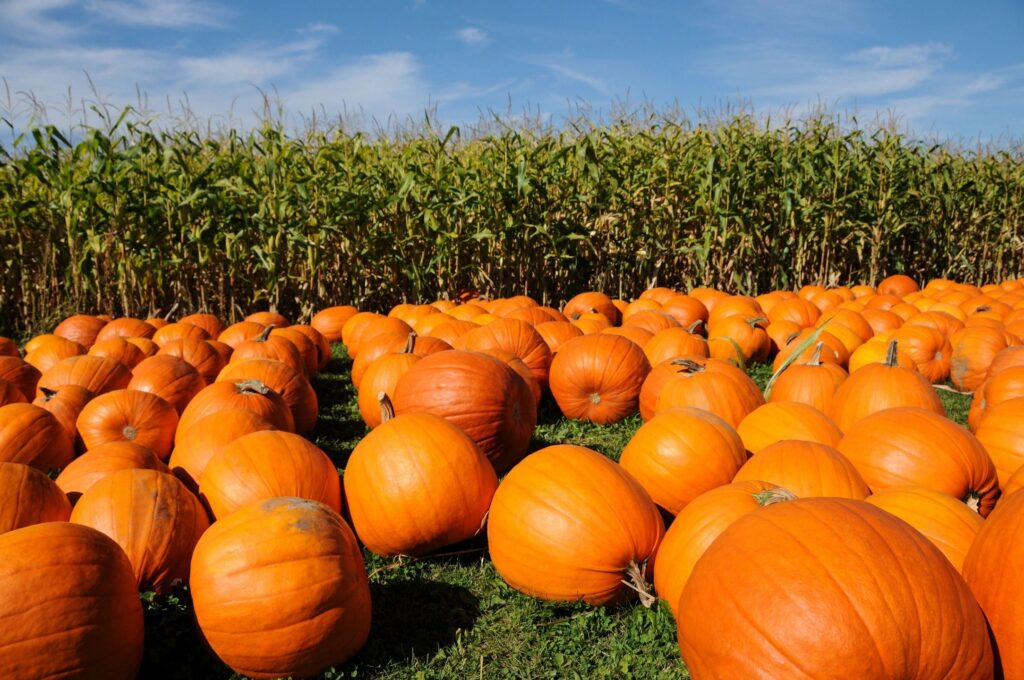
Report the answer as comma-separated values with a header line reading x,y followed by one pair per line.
x,y
416,484
1002,436
514,336
265,346
382,376
147,346
65,404
269,318
651,321
467,311
374,327
125,327
69,605
834,351
330,321
974,349
807,469
481,395
928,348
590,302
152,516
898,285
733,305
50,352
296,606
172,379
250,395
659,294
309,352
878,387
199,353
31,435
598,378
876,351
102,461
813,383
796,310
685,309
699,524
129,415
1007,358
22,375
10,394
945,521
715,386
323,347
568,524
95,374
450,331
915,447
779,420
680,454
994,570
265,464
842,581
80,328
517,365
1003,386
639,336
243,331
673,343
740,336
196,445
388,343
557,333
882,320
30,498
120,350
180,331
295,390
208,322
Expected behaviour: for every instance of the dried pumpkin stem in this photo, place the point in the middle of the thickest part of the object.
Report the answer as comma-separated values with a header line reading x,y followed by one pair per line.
x,y
772,496
891,354
815,359
252,387
387,409
694,327
410,343
264,334
636,581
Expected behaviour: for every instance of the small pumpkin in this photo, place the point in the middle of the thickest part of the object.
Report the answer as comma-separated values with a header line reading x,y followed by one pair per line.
x,y
382,376
713,385
129,415
598,378
813,383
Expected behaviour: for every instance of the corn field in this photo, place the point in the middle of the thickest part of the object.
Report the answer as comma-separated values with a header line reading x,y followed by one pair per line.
x,y
132,218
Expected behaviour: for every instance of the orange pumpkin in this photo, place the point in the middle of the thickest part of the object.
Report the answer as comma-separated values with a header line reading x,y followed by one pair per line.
x,y
673,343
265,464
813,383
65,404
208,322
382,376
1003,386
196,445
31,498
269,319
686,309
250,395
120,350
805,468
592,302
330,321
481,395
945,521
199,353
293,386
102,461
416,484
928,348
388,343
915,447
123,505
243,331
680,454
568,524
125,327
47,354
516,337
974,349
95,374
898,285
172,379
33,436
80,328
69,605
296,606
129,415
266,346
715,386
598,378
844,581
780,420
22,375
180,331
1001,435
699,524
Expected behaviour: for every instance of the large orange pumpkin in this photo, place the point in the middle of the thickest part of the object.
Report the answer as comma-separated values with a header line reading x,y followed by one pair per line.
x,y
296,606
293,386
680,454
1002,436
199,353
481,395
195,446
813,383
125,327
915,447
95,374
102,461
945,521
121,350
713,385
417,483
994,569
805,468
818,586
31,435
514,336
569,524
208,322
65,404
878,387
265,464
243,331
80,328
22,375
172,379
1003,386
152,516
598,378
69,605
29,498
674,343
697,527
973,351
52,351
387,343
779,420
250,395
267,346
589,302
129,415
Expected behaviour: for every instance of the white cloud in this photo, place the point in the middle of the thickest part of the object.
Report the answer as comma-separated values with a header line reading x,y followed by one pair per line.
x,y
251,64
161,13
472,36
579,77
29,18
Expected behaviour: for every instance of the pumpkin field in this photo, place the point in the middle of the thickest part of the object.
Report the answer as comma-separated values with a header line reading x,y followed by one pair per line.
x,y
821,482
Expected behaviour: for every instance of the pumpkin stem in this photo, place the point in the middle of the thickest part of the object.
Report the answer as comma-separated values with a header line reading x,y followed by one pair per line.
x,y
815,359
973,501
687,365
252,387
755,320
264,334
130,433
387,409
890,355
636,580
772,496
48,394
694,327
410,343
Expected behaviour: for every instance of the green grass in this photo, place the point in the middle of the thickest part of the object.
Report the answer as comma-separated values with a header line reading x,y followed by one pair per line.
x,y
453,616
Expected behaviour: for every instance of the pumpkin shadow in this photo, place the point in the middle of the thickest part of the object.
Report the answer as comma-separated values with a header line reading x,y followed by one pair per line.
x,y
400,608
339,426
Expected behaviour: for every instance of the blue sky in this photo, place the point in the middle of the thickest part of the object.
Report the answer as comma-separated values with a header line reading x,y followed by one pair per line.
x,y
946,68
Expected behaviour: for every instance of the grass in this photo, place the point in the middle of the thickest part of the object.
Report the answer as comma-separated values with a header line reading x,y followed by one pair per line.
x,y
452,616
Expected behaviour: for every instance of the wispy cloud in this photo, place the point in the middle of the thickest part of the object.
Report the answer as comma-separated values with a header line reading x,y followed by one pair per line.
x,y
472,36
250,64
33,19
161,13
564,65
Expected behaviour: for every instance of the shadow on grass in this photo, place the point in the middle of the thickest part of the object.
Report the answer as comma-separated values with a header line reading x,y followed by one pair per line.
x,y
339,426
400,608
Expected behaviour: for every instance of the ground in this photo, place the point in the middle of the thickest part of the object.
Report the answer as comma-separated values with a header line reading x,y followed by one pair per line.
x,y
452,616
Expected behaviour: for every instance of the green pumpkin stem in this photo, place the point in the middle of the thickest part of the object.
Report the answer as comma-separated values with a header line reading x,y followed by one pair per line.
x,y
772,496
264,334
891,356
